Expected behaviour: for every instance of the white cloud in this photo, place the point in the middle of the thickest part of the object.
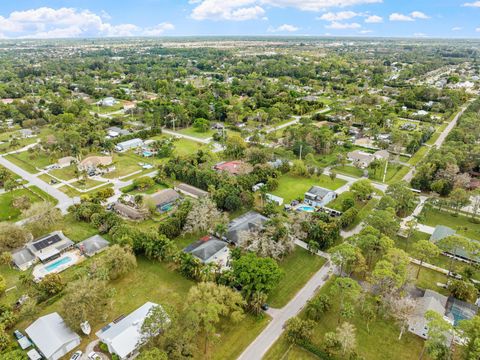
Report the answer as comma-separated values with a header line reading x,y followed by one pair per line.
x,y
284,28
342,15
239,10
373,19
477,29
47,22
457,28
400,17
342,26
419,15
364,32
472,4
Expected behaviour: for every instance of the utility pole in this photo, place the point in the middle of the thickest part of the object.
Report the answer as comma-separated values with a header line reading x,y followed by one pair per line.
x,y
301,148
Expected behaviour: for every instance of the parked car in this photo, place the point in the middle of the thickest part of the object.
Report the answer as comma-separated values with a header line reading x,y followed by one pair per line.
x,y
94,356
18,335
265,307
76,355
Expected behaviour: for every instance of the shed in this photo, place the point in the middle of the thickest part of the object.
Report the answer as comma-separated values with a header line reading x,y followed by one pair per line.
x,y
93,245
23,259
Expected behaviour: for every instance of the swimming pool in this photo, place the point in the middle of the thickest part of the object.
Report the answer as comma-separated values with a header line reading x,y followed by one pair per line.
x,y
54,265
306,208
147,153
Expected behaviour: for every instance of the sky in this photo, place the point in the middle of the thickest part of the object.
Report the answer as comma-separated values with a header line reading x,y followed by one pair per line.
x,y
110,18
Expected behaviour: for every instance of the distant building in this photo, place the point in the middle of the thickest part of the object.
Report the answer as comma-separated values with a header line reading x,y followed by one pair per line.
x,y
92,163
191,191
93,245
164,199
247,222
123,336
236,167
129,211
362,159
52,337
319,196
129,144
114,131
441,232
210,249
275,199
108,102
27,133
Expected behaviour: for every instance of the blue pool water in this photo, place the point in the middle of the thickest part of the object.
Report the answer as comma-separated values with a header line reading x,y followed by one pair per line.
x,y
147,153
306,208
58,263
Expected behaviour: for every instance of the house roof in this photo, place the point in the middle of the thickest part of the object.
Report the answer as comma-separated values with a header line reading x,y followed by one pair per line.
x,y
191,190
236,167
50,333
131,142
319,192
165,196
358,155
249,221
93,244
67,160
53,241
124,335
205,248
96,161
22,257
441,232
128,211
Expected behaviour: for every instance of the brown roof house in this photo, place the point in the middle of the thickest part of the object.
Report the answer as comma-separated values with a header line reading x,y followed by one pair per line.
x,y
191,191
129,211
94,163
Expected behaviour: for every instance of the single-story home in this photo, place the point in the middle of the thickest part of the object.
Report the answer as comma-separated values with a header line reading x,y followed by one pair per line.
x,y
164,199
115,131
275,199
93,245
319,196
66,161
236,167
362,159
191,191
129,144
45,249
129,211
52,337
247,222
107,102
27,133
92,163
210,249
123,337
441,232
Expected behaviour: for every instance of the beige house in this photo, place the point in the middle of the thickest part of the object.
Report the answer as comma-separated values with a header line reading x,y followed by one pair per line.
x,y
95,162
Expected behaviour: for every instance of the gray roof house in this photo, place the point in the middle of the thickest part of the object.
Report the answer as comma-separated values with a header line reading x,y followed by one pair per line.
x,y
441,232
319,196
249,221
129,144
164,198
431,301
191,191
210,249
50,246
23,259
128,211
123,336
53,338
93,245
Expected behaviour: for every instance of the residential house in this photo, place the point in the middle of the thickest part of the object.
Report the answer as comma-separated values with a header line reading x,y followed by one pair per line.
x,y
52,337
236,167
441,232
115,131
27,133
362,159
319,197
107,102
129,144
164,199
123,336
129,211
191,191
210,249
247,222
96,163
93,245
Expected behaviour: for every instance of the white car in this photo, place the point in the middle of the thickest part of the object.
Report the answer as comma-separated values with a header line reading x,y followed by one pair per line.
x,y
94,356
76,355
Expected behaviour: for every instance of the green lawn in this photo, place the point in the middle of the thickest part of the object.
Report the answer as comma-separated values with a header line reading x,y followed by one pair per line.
x,y
77,230
187,147
86,184
379,344
292,187
365,209
7,211
428,279
190,131
419,155
436,135
125,164
30,161
349,170
65,173
298,267
397,174
462,224
130,189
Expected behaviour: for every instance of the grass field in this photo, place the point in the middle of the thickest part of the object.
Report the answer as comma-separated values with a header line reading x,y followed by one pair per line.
x,y
462,224
30,161
292,187
86,184
187,147
125,164
10,213
298,268
190,131
349,170
380,343
65,173
419,155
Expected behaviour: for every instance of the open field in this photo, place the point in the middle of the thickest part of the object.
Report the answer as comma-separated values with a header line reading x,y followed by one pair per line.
x,y
462,224
190,131
10,213
30,161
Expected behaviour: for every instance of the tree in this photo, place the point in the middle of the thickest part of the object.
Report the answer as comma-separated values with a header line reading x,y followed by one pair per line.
x,y
152,354
348,290
203,217
459,198
348,257
4,338
402,310
235,146
255,274
346,337
299,331
12,236
143,183
208,303
156,321
42,217
385,221
318,306
201,125
437,341
462,290
424,250
3,285
373,244
313,247
51,284
404,197
471,333
362,189
86,300
116,262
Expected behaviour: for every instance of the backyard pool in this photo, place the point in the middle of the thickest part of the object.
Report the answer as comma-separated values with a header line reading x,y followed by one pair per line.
x,y
306,208
54,265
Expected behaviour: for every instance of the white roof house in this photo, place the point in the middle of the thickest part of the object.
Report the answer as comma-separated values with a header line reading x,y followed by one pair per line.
x,y
53,338
129,144
123,337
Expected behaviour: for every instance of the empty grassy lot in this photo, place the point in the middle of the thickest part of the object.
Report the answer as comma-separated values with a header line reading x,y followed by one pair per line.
x,y
460,223
10,213
30,161
190,131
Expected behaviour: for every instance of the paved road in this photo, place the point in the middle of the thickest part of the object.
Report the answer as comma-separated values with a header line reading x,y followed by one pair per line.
x,y
193,138
409,176
64,201
295,120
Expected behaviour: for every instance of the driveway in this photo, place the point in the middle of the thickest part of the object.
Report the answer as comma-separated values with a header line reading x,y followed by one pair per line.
x,y
90,348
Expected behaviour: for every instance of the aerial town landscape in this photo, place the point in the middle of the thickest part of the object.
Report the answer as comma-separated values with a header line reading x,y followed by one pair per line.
x,y
238,197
